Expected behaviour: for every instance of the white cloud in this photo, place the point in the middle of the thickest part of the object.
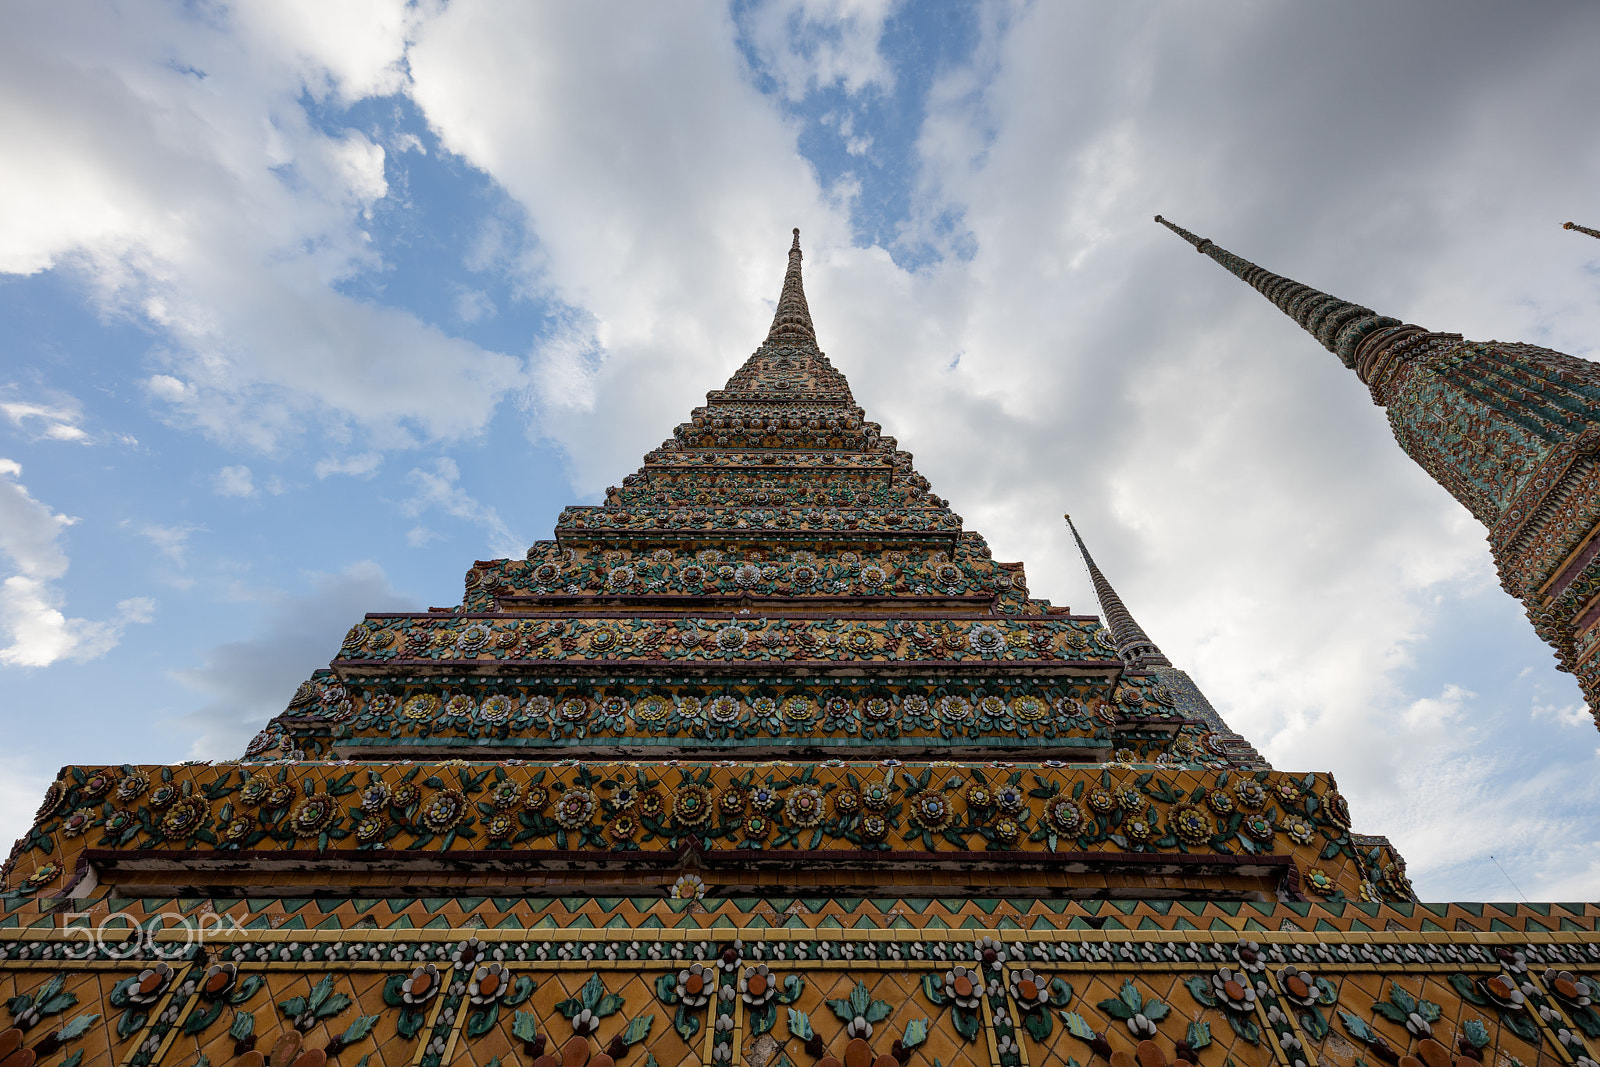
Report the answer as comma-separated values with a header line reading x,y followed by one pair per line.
x,y
436,490
38,632
671,249
363,465
174,164
805,45
171,541
234,481
53,423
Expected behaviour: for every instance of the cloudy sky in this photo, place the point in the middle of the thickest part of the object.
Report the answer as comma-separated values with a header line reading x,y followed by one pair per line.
x,y
305,305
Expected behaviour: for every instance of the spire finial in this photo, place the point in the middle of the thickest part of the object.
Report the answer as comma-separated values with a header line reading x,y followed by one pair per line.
x,y
1338,324
1580,229
1133,644
792,321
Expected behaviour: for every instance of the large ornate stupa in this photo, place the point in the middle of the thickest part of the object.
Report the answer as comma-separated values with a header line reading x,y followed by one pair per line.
x,y
764,760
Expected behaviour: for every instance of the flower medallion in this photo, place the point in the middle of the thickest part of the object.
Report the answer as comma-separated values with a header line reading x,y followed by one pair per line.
x,y
444,811
574,808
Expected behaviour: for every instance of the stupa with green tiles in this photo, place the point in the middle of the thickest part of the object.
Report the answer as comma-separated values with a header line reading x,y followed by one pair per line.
x,y
764,759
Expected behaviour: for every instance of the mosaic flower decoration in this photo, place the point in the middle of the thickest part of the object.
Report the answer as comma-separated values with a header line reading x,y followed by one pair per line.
x,y
370,828
1192,824
461,705
803,806
1010,799
689,887
1220,802
121,820
444,811
874,828
1258,828
651,804
79,821
423,985
374,796
420,708
691,805
163,795
219,980
731,801
41,876
313,815
1030,709
1102,801
1249,795
1337,809
573,710
538,707
954,709
877,709
506,795
757,986
846,802
489,983
496,709
54,796
1007,830
1320,881
184,817
1247,954
148,985
1138,829
1301,831
1298,987
1029,990
695,984
97,784
1066,817
986,640
724,710
132,787
1571,990
1503,991
992,952
1288,791
652,709
574,808
405,795
1234,991
963,987
799,708
931,811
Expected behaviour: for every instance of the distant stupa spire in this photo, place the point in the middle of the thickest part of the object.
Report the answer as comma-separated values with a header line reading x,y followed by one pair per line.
x,y
1580,229
1133,644
1339,325
792,320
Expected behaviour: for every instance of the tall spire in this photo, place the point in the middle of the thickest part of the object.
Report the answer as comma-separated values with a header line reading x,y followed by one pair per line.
x,y
1580,229
1339,325
1133,644
792,320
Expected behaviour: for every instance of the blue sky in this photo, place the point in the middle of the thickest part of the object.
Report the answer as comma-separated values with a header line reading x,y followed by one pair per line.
x,y
308,305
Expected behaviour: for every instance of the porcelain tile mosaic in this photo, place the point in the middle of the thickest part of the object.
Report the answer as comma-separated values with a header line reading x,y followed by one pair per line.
x,y
767,761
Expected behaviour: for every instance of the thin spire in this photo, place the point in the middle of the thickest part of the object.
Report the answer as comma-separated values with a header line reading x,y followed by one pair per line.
x,y
1580,229
1133,644
1339,325
792,320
